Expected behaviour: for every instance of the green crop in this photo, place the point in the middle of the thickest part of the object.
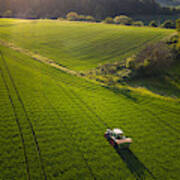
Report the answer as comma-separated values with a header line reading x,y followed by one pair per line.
x,y
52,123
52,126
76,45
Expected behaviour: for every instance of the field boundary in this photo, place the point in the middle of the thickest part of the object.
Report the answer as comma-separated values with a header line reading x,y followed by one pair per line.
x,y
37,57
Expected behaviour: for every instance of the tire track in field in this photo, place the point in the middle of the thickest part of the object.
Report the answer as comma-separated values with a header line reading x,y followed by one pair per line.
x,y
66,127
18,124
82,107
27,117
74,96
91,110
163,122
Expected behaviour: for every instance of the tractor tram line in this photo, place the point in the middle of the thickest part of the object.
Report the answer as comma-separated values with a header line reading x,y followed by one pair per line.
x,y
163,122
74,99
27,118
74,96
18,125
91,110
158,120
66,127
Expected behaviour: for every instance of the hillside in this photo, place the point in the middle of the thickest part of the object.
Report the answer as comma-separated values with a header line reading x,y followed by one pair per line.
x,y
52,126
79,46
52,121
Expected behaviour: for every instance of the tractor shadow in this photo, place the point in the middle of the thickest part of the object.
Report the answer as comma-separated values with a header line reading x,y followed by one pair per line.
x,y
136,167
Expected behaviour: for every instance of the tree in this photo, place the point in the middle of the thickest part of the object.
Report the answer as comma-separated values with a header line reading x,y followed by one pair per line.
x,y
98,9
125,20
178,25
138,23
153,59
90,18
153,24
7,14
109,20
72,16
86,18
169,24
178,29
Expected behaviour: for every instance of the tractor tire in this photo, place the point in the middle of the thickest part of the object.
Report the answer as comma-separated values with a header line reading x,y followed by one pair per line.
x,y
112,142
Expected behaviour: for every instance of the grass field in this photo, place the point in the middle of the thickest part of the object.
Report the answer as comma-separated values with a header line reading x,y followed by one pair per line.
x,y
52,127
76,45
52,123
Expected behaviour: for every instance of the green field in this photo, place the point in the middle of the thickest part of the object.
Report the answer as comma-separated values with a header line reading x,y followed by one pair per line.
x,y
76,45
52,123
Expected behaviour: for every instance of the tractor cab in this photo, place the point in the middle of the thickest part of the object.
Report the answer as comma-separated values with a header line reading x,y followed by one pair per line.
x,y
117,133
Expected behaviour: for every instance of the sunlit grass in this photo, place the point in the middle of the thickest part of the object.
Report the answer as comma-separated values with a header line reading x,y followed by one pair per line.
x,y
68,115
78,45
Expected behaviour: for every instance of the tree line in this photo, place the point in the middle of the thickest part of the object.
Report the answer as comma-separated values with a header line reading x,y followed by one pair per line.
x,y
96,8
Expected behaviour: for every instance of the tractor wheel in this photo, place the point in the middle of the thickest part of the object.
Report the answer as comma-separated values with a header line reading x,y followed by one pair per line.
x,y
112,142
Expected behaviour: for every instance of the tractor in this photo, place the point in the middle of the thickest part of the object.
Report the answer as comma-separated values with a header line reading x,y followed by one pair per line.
x,y
117,139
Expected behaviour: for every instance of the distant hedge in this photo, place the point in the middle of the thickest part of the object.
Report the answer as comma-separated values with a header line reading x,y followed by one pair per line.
x,y
109,20
125,20
73,16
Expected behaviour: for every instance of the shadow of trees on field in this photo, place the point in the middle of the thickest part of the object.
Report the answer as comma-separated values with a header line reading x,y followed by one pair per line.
x,y
166,85
136,167
124,92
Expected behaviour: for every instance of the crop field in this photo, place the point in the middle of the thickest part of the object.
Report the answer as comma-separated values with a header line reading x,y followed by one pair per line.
x,y
79,46
52,126
52,123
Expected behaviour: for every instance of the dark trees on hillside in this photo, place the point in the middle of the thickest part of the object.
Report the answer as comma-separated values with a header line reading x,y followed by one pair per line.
x,y
152,60
96,8
178,28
